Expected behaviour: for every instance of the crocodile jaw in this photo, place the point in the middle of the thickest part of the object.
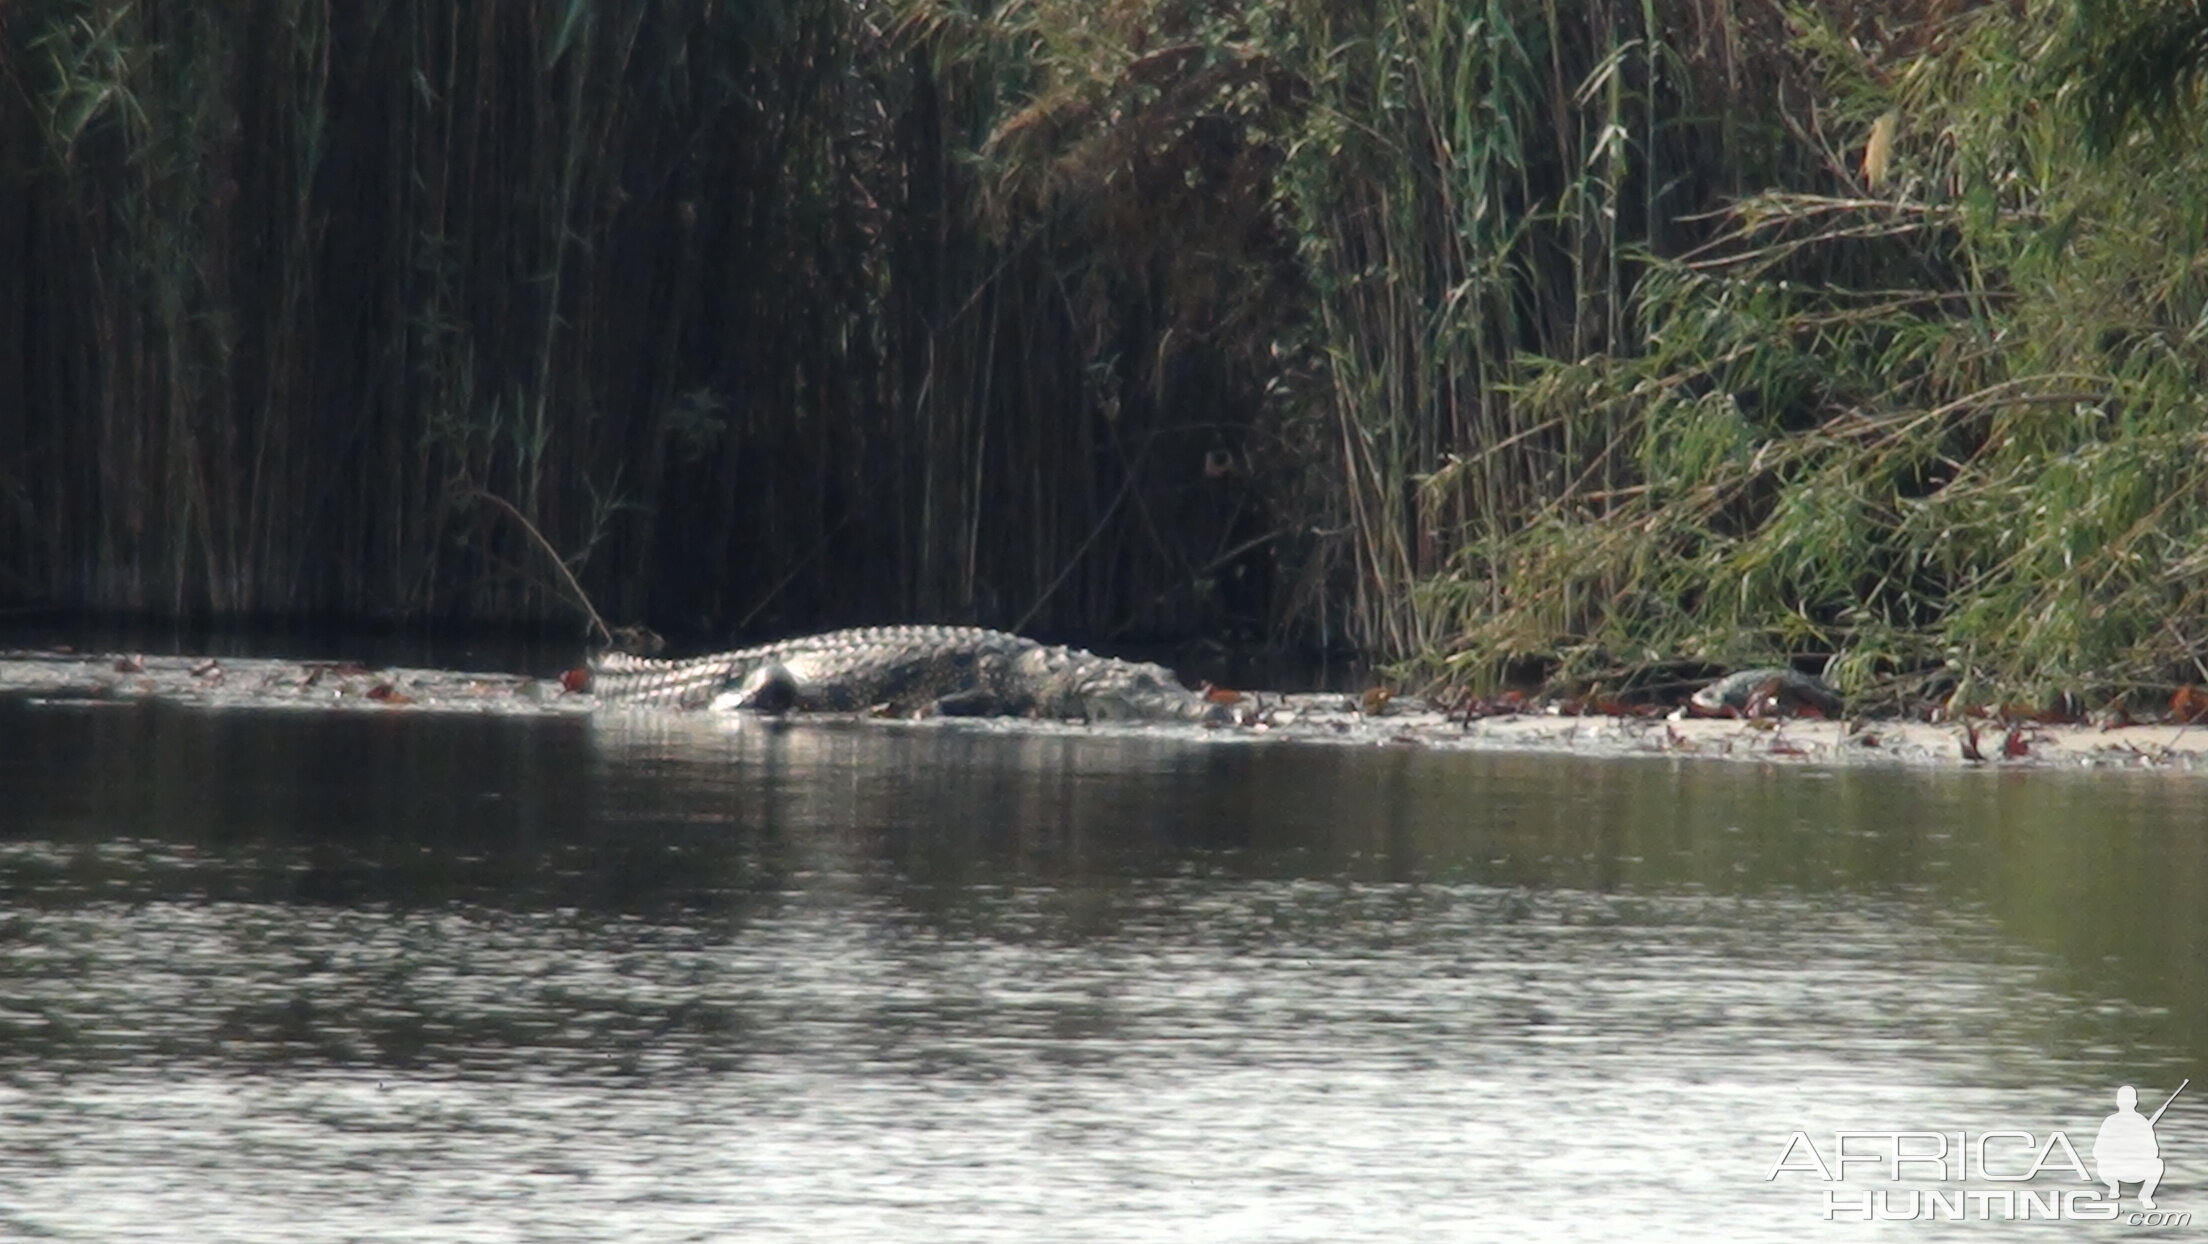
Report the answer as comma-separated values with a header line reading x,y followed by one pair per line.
x,y
1079,684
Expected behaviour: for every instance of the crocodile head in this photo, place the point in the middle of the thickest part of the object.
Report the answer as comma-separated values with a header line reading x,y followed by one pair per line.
x,y
1140,691
1079,684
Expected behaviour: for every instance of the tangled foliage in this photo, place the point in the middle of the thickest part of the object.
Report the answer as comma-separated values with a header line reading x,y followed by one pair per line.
x,y
1948,433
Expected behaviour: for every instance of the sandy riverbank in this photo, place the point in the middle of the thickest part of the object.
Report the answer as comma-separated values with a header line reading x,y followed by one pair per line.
x,y
121,679
1815,741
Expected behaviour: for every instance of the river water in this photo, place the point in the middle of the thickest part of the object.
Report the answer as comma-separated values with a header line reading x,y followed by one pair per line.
x,y
340,976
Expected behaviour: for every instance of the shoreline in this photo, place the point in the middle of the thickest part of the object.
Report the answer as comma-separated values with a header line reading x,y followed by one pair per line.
x,y
1815,741
1319,718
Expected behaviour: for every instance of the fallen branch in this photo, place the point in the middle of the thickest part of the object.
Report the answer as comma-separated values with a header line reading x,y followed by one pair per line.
x,y
605,633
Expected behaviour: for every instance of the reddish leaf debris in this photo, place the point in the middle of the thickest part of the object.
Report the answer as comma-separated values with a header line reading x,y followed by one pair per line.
x,y
1970,744
575,680
2064,711
1471,708
2014,745
2067,710
2189,705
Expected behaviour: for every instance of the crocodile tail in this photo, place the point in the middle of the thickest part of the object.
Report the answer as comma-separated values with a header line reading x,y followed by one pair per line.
x,y
617,676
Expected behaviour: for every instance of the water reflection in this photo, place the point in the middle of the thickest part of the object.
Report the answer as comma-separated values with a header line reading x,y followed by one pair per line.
x,y
663,978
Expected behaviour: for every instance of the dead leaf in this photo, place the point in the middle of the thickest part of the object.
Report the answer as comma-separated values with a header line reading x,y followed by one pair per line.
x,y
2065,710
2189,704
1472,707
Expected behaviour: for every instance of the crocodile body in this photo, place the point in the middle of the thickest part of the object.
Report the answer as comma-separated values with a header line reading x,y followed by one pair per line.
x,y
1770,692
907,670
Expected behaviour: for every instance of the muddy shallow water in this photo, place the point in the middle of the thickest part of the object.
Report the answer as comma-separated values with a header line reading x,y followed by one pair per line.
x,y
534,973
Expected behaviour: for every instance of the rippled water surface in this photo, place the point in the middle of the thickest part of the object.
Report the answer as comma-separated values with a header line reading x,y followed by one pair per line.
x,y
290,976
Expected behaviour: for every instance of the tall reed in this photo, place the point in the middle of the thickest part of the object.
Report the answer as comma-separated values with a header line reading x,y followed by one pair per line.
x,y
1478,331
711,294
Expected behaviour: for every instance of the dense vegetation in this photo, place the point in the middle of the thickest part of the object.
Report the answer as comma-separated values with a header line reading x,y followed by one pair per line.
x,y
1471,332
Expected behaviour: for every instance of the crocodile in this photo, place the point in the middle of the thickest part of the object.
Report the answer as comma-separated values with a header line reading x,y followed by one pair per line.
x,y
909,670
1767,692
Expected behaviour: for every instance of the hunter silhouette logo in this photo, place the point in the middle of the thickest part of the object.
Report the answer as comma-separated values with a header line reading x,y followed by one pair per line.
x,y
1996,1174
2125,1151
